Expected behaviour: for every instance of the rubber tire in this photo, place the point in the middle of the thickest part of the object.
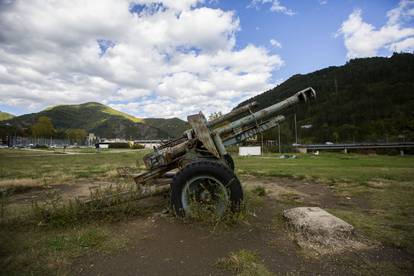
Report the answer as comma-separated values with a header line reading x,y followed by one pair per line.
x,y
229,161
210,168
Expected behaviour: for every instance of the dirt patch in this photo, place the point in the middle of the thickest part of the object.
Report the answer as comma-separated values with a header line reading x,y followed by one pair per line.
x,y
164,245
172,247
169,246
301,191
160,244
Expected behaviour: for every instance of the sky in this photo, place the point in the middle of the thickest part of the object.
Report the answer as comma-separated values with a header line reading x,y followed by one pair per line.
x,y
173,58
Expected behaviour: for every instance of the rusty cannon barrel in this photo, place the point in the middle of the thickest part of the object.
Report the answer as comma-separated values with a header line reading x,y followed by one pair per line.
x,y
301,96
231,115
216,135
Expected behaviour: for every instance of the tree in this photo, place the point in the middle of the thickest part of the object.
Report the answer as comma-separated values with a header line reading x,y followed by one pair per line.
x,y
43,128
76,134
214,115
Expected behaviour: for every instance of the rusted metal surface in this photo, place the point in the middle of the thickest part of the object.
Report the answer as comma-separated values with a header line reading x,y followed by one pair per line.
x,y
230,115
252,131
301,96
199,124
144,177
209,139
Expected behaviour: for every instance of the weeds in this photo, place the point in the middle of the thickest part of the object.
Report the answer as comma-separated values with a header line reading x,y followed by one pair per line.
x,y
50,251
4,197
243,262
111,203
53,231
259,191
76,241
207,215
201,213
291,198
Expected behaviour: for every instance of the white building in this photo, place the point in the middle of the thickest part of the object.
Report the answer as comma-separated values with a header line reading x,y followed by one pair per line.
x,y
246,151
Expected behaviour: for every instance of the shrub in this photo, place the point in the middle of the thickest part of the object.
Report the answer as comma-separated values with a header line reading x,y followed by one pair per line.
x,y
119,145
41,147
137,146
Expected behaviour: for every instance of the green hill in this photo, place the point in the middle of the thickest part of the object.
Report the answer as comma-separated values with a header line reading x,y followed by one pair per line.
x,y
367,99
103,121
174,126
5,116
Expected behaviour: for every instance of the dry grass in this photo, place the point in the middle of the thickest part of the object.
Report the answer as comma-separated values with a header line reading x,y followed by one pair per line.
x,y
11,186
243,262
22,182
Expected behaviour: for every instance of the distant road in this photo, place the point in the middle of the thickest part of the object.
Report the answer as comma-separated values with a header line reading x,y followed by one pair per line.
x,y
60,152
402,145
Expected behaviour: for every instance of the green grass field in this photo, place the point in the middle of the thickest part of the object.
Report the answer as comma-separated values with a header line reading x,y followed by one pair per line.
x,y
384,184
16,164
331,167
55,166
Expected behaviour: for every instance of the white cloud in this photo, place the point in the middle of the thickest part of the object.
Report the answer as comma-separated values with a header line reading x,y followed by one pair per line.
x,y
404,45
363,39
275,6
323,2
149,58
275,43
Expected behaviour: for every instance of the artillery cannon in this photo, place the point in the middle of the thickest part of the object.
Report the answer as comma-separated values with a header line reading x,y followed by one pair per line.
x,y
197,168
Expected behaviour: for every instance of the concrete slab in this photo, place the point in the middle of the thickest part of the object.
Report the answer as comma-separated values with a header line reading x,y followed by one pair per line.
x,y
316,221
316,229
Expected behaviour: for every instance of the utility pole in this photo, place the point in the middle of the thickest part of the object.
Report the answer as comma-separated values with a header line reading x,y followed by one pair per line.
x,y
296,130
278,128
261,137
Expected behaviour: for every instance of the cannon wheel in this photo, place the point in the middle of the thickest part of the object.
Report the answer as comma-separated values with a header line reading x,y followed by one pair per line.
x,y
207,182
229,161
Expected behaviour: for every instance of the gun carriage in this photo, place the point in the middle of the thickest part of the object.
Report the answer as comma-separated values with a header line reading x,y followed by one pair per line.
x,y
197,168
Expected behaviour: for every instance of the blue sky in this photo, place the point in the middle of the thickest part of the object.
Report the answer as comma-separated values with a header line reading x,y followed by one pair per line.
x,y
168,58
308,37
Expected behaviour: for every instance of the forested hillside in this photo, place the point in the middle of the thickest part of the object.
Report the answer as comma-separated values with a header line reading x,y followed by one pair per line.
x,y
368,99
99,119
5,116
174,127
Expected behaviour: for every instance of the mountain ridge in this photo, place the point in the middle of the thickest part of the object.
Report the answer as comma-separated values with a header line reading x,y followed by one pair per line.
x,y
5,116
103,121
366,99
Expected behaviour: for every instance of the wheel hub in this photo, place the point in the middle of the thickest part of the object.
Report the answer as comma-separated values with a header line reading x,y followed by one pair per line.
x,y
204,193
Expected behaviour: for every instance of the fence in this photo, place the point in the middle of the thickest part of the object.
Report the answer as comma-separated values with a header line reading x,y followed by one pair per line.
x,y
17,141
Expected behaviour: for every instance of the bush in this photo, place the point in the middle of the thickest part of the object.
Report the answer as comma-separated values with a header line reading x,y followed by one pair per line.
x,y
41,147
119,145
137,146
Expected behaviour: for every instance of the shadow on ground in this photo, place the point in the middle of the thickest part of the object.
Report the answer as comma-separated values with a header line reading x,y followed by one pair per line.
x,y
160,244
